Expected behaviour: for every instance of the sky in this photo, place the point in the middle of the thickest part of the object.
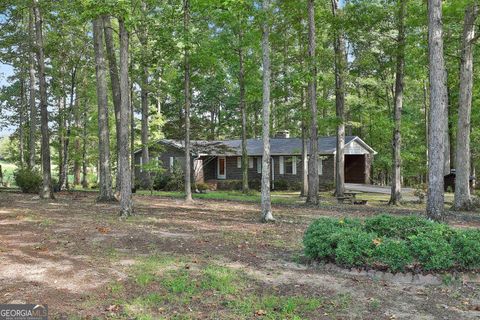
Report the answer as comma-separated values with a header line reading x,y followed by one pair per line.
x,y
5,71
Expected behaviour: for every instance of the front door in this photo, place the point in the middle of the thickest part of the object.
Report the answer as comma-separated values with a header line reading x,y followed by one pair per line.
x,y
221,168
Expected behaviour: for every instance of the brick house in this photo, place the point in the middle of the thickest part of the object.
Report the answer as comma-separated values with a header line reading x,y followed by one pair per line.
x,y
216,161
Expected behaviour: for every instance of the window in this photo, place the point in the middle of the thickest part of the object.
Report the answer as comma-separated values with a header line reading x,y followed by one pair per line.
x,y
239,162
320,167
288,165
259,165
170,165
250,162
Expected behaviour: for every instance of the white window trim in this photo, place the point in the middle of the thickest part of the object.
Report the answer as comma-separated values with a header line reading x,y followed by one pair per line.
x,y
320,167
259,165
219,176
141,164
282,165
170,164
250,162
294,165
239,162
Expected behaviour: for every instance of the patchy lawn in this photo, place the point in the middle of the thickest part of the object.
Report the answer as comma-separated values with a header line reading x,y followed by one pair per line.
x,y
208,260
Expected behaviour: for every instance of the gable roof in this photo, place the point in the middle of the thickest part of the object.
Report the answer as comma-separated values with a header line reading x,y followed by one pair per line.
x,y
278,146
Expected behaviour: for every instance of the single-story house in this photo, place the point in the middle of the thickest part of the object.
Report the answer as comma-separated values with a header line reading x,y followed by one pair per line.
x,y
213,161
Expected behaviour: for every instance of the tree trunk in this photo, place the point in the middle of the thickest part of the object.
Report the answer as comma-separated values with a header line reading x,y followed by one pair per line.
x,y
104,172
132,131
265,197
304,190
84,147
438,100
114,79
61,136
33,110
126,205
243,110
312,100
21,112
146,179
396,192
340,69
76,141
186,21
462,165
46,190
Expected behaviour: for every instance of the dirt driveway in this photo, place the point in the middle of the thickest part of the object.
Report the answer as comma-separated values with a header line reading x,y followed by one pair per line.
x,y
76,256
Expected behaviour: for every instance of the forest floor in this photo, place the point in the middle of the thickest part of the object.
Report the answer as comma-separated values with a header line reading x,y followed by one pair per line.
x,y
208,260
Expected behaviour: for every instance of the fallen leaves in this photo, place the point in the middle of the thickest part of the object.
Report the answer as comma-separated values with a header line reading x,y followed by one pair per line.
x,y
103,229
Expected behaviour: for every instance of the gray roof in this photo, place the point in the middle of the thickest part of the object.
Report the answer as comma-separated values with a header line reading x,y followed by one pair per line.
x,y
278,146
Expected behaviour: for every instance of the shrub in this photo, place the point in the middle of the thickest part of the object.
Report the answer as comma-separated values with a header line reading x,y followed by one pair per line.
x,y
176,181
355,247
160,181
29,181
393,242
281,185
255,184
432,250
321,238
393,253
397,227
202,187
229,185
466,246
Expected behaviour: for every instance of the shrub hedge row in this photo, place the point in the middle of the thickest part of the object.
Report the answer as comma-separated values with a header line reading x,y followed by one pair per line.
x,y
393,243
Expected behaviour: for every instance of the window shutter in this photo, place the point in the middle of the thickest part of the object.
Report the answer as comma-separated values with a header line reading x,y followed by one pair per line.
x,y
282,165
294,165
250,162
320,167
239,162
259,165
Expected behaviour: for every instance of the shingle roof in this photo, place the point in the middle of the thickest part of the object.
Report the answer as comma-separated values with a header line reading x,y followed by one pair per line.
x,y
278,146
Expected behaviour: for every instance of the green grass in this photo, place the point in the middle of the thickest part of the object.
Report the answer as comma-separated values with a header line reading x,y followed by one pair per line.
x,y
278,197
8,169
168,286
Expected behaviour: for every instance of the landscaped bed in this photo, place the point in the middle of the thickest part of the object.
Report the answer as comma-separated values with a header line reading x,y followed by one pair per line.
x,y
408,243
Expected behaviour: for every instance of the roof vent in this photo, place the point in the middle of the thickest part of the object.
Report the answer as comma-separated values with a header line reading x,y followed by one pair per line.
x,y
283,134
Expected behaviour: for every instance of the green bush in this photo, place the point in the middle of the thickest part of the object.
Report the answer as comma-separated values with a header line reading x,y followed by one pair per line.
x,y
321,237
396,243
397,227
466,246
229,185
255,184
432,250
393,253
29,181
202,187
160,181
281,185
355,247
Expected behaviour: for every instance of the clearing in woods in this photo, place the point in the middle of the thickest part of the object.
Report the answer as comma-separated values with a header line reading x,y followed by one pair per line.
x,y
208,260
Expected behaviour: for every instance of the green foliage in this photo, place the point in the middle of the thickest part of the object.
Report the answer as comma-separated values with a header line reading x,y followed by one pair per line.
x,y
355,247
394,242
170,181
285,185
394,253
29,181
466,247
432,250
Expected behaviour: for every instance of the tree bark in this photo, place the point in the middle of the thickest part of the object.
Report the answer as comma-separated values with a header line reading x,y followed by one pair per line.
x,y
32,81
396,191
340,69
243,110
115,82
21,112
187,93
312,100
438,100
126,204
46,190
304,190
105,178
84,146
266,214
462,180
146,179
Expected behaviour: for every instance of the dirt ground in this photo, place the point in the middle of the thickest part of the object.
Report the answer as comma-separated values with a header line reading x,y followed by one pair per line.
x,y
74,254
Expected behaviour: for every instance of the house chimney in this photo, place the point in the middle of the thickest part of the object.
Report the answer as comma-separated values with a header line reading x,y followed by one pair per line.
x,y
283,134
